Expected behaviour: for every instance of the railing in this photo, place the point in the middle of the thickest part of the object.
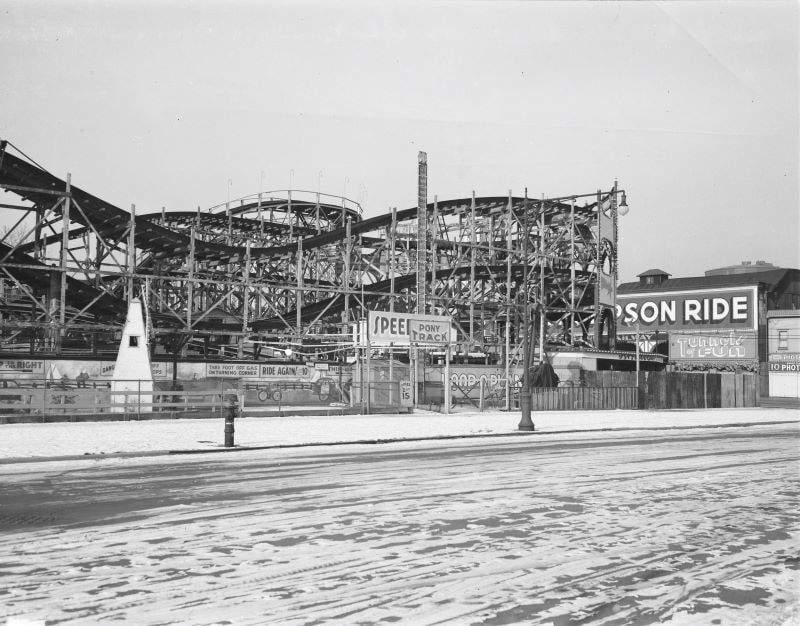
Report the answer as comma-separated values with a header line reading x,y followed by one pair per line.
x,y
21,400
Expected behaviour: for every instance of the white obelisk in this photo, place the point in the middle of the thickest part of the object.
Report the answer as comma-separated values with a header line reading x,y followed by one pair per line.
x,y
132,373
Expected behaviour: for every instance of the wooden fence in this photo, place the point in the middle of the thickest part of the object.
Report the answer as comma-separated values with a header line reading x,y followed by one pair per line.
x,y
97,401
649,390
583,398
684,390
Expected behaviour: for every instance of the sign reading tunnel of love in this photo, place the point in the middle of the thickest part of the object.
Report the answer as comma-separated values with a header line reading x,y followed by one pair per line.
x,y
405,329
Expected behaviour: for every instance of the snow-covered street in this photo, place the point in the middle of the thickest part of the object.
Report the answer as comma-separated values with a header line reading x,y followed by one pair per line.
x,y
148,436
684,526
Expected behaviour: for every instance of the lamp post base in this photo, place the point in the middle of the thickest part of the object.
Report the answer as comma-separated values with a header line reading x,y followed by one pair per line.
x,y
525,405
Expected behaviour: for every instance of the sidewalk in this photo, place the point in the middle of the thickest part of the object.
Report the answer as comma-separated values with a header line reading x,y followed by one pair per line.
x,y
26,441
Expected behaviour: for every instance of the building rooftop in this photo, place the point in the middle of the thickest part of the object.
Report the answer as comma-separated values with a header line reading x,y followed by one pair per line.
x,y
653,273
770,278
784,313
745,267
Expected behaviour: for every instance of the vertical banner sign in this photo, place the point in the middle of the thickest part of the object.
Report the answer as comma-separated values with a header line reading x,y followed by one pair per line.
x,y
606,252
422,232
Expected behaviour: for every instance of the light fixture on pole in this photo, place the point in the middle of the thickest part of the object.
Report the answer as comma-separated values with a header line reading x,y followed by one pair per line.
x,y
622,208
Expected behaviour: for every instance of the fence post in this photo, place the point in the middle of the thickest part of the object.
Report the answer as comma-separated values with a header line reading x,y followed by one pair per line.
x,y
481,400
139,400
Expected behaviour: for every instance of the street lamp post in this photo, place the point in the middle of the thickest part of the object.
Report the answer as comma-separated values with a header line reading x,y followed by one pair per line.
x,y
525,422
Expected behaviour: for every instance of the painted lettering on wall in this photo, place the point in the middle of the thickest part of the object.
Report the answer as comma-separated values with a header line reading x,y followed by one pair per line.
x,y
729,346
710,308
400,329
784,366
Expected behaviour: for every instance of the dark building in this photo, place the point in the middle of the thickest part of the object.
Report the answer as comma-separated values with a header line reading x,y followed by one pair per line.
x,y
716,322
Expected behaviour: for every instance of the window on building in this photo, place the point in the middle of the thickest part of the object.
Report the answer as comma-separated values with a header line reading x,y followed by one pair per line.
x,y
133,341
783,340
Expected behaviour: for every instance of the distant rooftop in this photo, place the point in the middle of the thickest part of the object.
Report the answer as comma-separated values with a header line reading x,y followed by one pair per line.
x,y
770,277
653,273
745,267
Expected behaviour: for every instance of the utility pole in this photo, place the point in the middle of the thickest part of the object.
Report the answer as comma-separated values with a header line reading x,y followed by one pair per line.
x,y
525,422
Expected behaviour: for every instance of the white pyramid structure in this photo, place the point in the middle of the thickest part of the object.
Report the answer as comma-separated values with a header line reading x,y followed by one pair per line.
x,y
132,371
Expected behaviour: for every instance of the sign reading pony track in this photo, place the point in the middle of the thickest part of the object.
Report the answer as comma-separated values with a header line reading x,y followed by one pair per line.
x,y
405,329
717,309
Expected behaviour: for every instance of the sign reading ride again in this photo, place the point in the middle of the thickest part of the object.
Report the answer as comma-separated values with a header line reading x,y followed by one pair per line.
x,y
717,309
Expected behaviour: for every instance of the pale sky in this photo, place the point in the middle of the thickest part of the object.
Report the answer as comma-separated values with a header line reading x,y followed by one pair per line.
x,y
693,106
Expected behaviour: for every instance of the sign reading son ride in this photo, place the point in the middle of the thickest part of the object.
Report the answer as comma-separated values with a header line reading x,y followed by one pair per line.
x,y
405,329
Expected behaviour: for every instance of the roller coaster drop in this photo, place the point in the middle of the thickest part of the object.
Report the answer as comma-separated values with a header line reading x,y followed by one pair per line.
x,y
291,272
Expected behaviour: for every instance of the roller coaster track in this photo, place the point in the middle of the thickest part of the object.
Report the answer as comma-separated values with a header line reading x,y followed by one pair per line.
x,y
235,246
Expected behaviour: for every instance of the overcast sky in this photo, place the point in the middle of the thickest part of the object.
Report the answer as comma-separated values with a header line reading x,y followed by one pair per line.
x,y
693,106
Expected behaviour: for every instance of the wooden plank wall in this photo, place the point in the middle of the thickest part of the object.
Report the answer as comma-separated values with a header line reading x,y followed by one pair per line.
x,y
683,390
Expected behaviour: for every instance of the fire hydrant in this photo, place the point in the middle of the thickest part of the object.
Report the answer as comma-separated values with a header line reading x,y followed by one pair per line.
x,y
229,417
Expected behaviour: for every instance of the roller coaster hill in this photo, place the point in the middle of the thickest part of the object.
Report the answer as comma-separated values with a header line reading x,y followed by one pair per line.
x,y
286,275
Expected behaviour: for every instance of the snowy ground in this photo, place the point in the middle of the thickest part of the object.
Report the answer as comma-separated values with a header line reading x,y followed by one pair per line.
x,y
685,526
64,439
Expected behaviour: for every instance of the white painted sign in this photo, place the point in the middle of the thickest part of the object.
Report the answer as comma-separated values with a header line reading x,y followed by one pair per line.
x,y
406,393
232,370
403,329
161,370
288,371
21,366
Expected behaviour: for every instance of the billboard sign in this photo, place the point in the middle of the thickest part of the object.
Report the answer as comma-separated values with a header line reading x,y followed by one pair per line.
x,y
232,370
21,366
405,329
784,366
711,309
712,347
784,356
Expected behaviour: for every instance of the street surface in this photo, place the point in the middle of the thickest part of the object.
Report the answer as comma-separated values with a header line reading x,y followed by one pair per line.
x,y
681,526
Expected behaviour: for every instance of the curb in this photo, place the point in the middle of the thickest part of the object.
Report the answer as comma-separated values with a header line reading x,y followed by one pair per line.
x,y
355,442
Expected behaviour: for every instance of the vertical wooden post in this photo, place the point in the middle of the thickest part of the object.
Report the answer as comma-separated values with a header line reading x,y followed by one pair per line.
x,y
368,399
190,286
392,257
433,254
245,298
299,280
472,289
542,297
509,224
447,386
422,231
62,312
348,251
572,272
597,270
131,253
